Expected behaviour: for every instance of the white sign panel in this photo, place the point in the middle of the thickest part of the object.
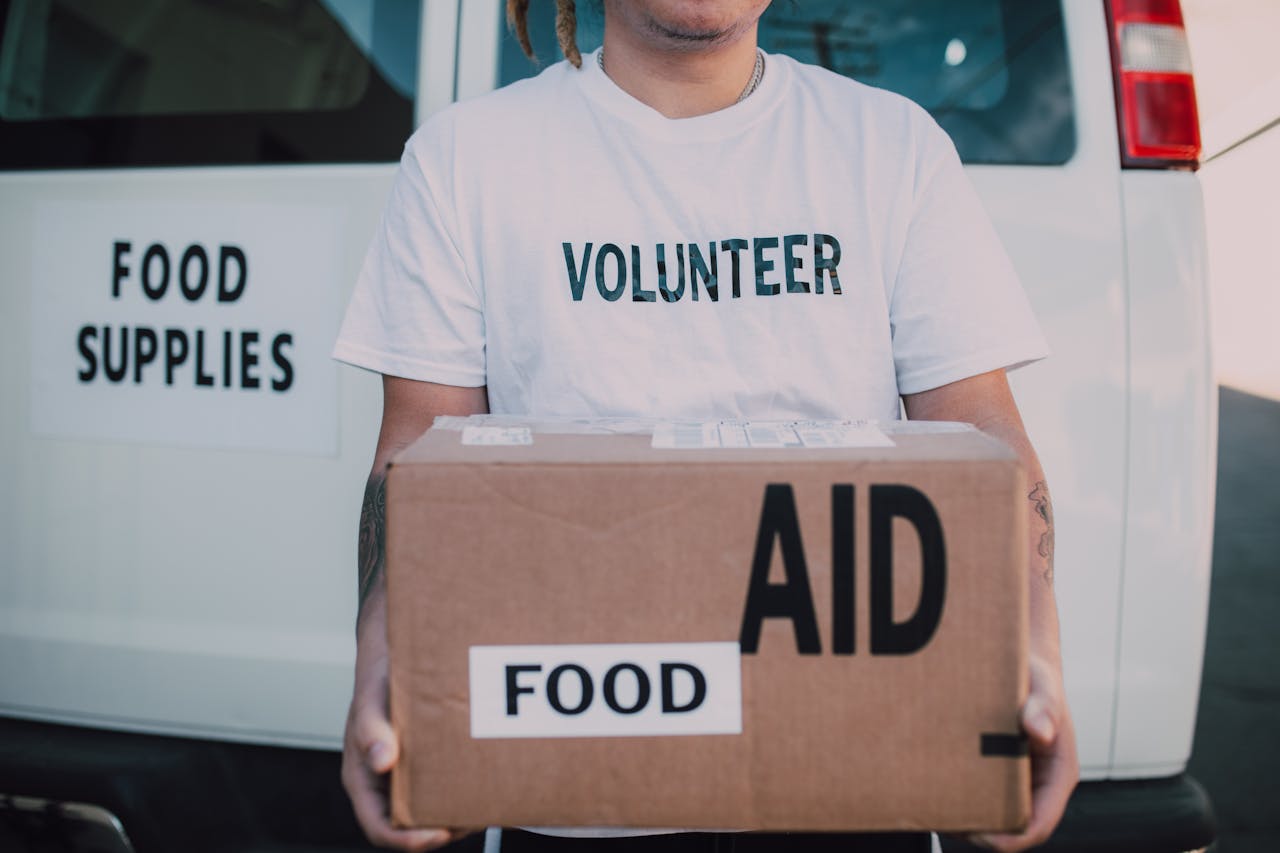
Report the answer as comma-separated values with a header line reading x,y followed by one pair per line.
x,y
198,325
606,690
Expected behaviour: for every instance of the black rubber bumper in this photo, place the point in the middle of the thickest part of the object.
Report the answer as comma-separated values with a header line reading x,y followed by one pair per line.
x,y
1168,815
216,797
180,794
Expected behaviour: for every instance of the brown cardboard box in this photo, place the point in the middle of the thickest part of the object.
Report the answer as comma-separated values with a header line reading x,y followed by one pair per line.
x,y
877,595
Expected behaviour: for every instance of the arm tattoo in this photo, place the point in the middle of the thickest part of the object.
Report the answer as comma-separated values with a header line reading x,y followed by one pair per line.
x,y
373,535
1039,497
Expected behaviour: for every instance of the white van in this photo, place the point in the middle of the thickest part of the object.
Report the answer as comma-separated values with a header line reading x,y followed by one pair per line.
x,y
187,190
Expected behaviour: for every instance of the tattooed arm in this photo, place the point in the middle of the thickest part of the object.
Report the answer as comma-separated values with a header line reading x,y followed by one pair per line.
x,y
372,548
370,747
986,402
1039,498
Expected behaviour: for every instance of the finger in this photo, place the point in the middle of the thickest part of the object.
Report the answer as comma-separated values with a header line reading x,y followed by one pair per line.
x,y
1039,720
1056,777
375,739
411,839
370,807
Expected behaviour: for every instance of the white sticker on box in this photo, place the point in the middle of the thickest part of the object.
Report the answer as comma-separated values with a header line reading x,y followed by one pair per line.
x,y
606,690
685,435
768,434
497,436
733,435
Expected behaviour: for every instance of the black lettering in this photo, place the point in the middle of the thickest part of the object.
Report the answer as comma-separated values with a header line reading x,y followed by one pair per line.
x,y
698,269
608,249
842,592
143,355
226,359
90,369
193,252
118,269
203,380
514,690
679,274
792,599
610,684
155,250
248,359
668,295
638,293
669,705
577,276
821,263
553,688
903,638
285,380
231,253
735,246
763,265
176,349
115,374
791,263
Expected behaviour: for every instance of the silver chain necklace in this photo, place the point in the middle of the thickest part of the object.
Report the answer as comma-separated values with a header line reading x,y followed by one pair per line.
x,y
754,83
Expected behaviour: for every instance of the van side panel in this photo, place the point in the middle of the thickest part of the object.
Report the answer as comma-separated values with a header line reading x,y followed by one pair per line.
x,y
1062,228
198,590
1172,469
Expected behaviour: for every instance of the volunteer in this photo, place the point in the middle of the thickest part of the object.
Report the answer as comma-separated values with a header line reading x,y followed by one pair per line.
x,y
680,225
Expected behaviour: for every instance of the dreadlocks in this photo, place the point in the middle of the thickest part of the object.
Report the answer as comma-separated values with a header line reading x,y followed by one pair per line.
x,y
566,28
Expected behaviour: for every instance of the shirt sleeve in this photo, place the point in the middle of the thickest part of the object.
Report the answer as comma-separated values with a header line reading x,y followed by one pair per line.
x,y
957,308
415,312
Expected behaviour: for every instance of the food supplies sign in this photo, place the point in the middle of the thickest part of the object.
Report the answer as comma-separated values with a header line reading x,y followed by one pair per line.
x,y
188,325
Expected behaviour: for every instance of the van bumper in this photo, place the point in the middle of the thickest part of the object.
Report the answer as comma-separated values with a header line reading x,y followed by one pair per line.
x,y
194,795
1170,815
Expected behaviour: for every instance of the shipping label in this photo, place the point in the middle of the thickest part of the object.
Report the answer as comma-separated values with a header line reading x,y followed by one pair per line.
x,y
497,436
698,435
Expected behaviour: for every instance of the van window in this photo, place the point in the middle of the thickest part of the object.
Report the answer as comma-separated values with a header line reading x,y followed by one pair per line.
x,y
993,73
92,83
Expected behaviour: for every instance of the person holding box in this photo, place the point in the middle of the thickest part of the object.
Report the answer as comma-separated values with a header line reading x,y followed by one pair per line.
x,y
682,226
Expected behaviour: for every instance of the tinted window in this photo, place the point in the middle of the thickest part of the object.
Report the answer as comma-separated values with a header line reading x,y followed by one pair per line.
x,y
195,82
993,73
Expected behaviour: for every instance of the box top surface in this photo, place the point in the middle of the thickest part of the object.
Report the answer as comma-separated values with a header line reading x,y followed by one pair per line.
x,y
630,442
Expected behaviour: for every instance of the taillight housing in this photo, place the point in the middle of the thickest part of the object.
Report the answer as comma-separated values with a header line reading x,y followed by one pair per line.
x,y
1155,91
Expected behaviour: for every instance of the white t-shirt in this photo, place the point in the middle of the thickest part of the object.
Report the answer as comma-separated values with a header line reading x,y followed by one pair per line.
x,y
810,252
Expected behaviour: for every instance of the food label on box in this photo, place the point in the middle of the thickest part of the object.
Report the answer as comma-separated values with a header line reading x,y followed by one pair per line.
x,y
605,690
697,435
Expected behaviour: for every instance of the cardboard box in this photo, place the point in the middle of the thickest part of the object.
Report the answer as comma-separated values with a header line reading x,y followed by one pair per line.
x,y
586,630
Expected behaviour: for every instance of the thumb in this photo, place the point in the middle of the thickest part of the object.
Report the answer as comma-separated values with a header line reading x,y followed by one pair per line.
x,y
1037,720
377,740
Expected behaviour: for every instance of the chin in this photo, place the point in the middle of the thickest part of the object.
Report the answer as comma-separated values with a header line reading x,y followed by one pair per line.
x,y
694,23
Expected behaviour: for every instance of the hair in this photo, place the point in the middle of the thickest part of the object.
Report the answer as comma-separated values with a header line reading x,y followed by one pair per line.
x,y
566,28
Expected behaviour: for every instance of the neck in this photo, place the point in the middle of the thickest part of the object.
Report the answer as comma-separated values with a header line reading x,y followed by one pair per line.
x,y
679,82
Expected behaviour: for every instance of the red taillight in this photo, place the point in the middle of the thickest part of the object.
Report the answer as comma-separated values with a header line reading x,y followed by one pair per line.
x,y
1155,92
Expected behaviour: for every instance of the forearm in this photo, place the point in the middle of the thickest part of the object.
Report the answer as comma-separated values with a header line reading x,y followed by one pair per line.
x,y
408,408
1039,519
986,402
370,745
372,547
